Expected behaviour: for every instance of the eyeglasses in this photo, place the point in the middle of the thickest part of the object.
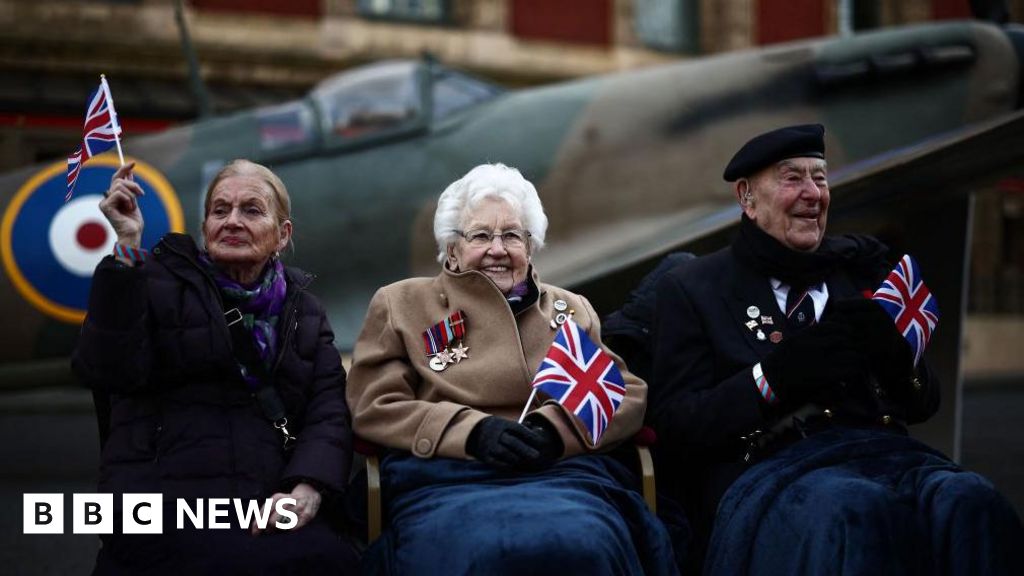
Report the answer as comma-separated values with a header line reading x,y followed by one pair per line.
x,y
515,238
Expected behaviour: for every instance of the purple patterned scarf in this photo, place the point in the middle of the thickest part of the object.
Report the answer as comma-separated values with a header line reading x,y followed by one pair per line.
x,y
260,305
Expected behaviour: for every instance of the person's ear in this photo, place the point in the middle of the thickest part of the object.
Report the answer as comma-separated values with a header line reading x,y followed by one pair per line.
x,y
286,235
453,261
745,196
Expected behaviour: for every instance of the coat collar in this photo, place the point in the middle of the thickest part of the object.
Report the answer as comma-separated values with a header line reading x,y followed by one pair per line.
x,y
475,284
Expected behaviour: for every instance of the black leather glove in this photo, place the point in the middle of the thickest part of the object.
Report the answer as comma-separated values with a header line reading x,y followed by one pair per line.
x,y
815,364
504,444
890,357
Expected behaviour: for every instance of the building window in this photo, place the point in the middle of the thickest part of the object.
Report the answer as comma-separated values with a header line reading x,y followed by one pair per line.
x,y
672,25
581,21
422,11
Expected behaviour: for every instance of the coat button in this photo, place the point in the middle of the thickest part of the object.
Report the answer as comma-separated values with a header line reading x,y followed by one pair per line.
x,y
916,382
423,446
886,419
828,413
156,250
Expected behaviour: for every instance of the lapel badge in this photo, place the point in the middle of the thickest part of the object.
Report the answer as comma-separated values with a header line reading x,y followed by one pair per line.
x,y
760,334
561,318
753,312
438,342
560,305
775,337
767,321
752,324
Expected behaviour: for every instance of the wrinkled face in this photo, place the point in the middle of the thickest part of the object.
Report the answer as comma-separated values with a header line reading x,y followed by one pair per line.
x,y
505,264
789,201
241,228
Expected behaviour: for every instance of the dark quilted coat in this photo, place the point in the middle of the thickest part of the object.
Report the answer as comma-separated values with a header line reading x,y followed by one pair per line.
x,y
182,421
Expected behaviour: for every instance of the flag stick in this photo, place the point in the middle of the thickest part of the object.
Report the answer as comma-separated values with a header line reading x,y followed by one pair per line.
x,y
527,407
113,117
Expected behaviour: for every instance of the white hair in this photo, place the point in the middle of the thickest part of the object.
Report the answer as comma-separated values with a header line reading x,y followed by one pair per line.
x,y
488,181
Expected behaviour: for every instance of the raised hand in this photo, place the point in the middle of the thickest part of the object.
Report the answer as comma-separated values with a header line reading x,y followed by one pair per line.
x,y
120,207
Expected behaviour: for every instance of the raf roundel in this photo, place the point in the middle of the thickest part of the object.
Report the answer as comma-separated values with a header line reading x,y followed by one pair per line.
x,y
51,248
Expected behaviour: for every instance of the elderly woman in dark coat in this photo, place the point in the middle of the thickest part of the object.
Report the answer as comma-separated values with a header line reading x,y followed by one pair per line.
x,y
481,477
223,382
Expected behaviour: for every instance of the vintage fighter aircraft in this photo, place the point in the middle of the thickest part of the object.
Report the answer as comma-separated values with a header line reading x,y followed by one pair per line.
x,y
628,166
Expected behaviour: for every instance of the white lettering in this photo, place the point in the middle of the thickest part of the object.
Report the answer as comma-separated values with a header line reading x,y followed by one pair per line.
x,y
253,510
283,513
194,516
214,506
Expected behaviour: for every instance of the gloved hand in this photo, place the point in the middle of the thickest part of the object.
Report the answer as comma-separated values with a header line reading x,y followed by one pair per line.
x,y
890,357
550,447
504,444
814,364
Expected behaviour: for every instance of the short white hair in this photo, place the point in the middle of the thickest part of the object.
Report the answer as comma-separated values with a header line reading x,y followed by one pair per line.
x,y
488,181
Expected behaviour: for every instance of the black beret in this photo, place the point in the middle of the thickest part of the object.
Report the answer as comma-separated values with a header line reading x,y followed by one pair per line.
x,y
768,148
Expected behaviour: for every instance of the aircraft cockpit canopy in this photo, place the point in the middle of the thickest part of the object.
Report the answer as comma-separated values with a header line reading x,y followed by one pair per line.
x,y
389,97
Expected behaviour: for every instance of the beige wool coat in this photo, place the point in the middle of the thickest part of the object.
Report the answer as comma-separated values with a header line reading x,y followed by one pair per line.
x,y
399,402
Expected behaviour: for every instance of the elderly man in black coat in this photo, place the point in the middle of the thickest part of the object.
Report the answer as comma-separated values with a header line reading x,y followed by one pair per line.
x,y
781,396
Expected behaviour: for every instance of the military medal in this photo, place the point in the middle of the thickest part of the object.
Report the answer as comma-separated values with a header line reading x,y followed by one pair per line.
x,y
460,353
438,341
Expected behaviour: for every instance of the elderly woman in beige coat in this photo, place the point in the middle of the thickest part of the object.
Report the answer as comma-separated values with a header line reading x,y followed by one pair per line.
x,y
482,477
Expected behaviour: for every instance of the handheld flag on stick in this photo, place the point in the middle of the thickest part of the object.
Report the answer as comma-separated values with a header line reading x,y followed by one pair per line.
x,y
913,308
101,132
580,376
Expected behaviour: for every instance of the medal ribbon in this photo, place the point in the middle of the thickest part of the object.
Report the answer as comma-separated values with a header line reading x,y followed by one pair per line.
x,y
439,336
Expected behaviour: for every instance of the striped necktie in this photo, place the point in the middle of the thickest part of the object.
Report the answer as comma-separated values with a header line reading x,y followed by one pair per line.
x,y
799,308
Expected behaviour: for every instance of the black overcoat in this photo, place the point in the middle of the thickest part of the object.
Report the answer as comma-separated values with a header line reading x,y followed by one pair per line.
x,y
703,399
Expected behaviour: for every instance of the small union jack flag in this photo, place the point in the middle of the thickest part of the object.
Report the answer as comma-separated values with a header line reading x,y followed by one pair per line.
x,y
100,133
911,305
580,376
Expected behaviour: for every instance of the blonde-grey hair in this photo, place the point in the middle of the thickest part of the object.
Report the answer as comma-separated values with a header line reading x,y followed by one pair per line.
x,y
488,181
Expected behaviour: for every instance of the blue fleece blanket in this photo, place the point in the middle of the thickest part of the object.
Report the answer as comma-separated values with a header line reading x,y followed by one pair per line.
x,y
868,502
454,517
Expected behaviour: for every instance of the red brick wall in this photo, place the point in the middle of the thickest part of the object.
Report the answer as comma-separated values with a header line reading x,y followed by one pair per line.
x,y
311,8
950,9
783,20
583,21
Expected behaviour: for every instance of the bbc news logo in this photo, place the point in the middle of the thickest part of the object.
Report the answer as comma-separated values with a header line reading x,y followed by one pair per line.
x,y
143,513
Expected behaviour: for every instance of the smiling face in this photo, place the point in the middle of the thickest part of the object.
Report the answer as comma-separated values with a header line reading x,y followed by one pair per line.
x,y
789,201
505,265
241,229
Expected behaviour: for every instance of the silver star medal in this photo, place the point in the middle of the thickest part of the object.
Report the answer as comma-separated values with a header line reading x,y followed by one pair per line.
x,y
460,353
441,360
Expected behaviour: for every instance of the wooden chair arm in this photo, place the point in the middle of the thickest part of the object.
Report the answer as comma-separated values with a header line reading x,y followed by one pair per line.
x,y
373,511
647,470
